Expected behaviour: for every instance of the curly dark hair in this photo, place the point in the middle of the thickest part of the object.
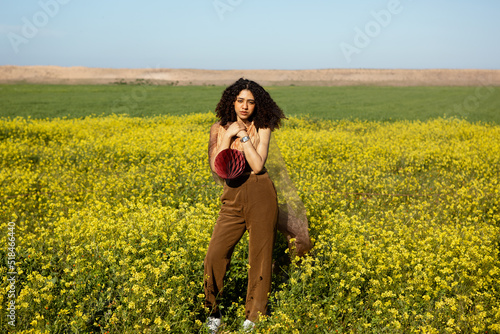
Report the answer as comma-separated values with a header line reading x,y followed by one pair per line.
x,y
267,114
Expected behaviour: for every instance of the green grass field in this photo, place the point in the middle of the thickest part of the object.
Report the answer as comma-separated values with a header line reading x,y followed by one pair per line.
x,y
358,102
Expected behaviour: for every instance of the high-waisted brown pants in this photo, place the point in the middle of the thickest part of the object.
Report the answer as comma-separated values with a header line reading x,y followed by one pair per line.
x,y
249,205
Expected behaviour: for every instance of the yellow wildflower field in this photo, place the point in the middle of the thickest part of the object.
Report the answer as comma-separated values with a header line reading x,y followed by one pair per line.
x,y
107,220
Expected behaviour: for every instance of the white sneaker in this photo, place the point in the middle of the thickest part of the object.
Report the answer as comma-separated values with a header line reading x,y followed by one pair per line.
x,y
213,324
248,326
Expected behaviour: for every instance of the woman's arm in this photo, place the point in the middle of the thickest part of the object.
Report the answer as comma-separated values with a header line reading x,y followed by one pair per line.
x,y
256,157
230,133
212,145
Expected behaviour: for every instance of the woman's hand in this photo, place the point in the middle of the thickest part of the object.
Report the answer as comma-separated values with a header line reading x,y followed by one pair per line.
x,y
236,129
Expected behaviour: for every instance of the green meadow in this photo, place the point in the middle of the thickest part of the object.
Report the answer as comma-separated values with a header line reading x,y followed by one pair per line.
x,y
370,103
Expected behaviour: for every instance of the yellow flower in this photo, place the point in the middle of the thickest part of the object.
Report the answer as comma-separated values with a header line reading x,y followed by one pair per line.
x,y
400,213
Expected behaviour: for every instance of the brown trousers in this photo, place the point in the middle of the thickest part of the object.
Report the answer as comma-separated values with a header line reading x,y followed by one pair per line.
x,y
251,205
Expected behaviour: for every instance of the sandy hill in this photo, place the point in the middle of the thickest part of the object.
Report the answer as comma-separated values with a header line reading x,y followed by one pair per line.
x,y
324,77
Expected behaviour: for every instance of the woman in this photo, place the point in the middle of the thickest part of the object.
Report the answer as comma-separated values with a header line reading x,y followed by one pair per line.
x,y
247,115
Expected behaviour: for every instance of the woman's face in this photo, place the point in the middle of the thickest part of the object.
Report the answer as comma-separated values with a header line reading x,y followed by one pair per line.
x,y
244,105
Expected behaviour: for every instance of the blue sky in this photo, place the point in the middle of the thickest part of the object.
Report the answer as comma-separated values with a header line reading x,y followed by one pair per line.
x,y
251,34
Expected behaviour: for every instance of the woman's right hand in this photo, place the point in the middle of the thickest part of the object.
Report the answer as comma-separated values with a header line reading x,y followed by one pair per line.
x,y
234,128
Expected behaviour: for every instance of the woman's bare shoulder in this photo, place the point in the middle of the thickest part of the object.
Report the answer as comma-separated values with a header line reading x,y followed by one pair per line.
x,y
215,126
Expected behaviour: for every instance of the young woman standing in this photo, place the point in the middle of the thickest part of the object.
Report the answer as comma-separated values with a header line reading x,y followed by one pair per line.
x,y
247,115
